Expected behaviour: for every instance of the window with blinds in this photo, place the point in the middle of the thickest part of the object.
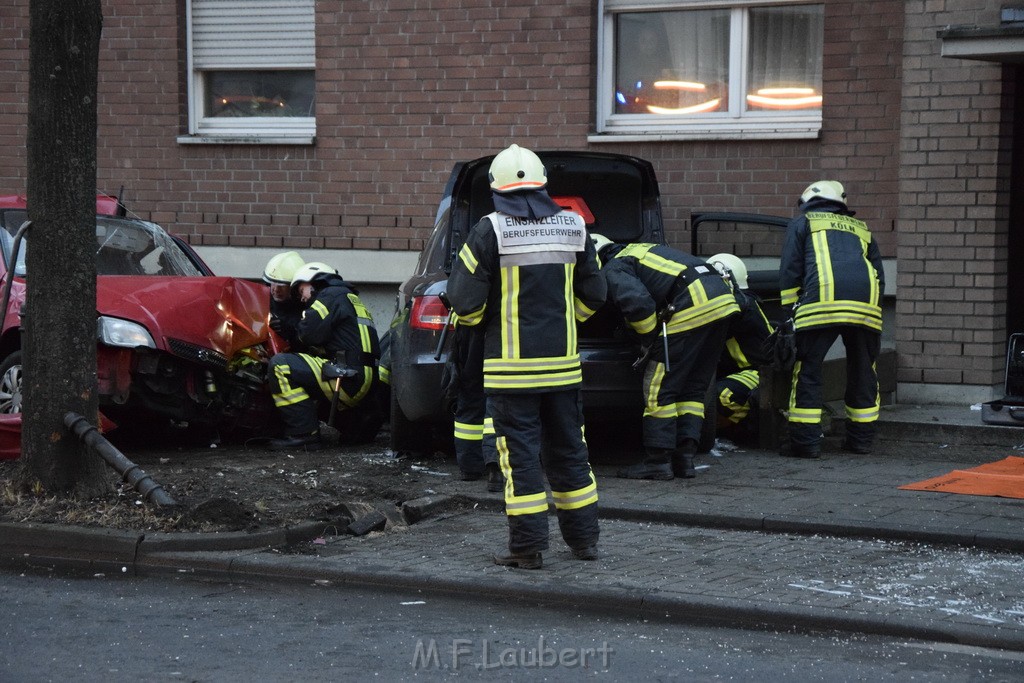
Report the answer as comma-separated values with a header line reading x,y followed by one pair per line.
x,y
251,70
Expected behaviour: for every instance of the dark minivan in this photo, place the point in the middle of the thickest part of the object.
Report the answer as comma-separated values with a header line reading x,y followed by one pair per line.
x,y
617,195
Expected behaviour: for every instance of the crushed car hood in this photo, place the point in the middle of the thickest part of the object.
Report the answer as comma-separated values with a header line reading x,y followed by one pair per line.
x,y
225,314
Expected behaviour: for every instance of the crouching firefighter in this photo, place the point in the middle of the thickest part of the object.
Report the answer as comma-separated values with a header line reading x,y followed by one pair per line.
x,y
680,306
528,273
339,369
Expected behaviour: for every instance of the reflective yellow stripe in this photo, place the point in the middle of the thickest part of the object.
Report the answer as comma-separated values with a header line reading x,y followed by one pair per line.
x,y
570,321
646,325
690,408
820,221
288,395
540,364
826,289
319,308
467,258
736,353
862,414
384,374
737,411
510,312
473,318
720,307
533,381
790,296
468,431
488,426
662,264
573,500
805,415
582,311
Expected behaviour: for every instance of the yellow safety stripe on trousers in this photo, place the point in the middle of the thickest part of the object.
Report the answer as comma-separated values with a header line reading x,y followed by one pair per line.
x,y
790,296
674,410
510,312
690,408
316,363
319,308
574,500
697,316
737,411
651,400
533,381
468,431
468,259
535,503
863,414
488,426
823,263
384,374
288,394
735,351
804,415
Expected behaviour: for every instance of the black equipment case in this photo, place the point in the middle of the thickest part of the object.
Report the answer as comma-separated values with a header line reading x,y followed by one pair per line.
x,y
1010,409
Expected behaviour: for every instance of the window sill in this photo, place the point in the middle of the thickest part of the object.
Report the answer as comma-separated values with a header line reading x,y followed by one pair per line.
x,y
783,133
256,139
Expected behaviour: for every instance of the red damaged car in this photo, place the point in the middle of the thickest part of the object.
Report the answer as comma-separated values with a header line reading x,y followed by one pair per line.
x,y
176,345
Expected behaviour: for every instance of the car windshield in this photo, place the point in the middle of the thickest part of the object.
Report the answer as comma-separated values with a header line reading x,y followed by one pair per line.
x,y
123,247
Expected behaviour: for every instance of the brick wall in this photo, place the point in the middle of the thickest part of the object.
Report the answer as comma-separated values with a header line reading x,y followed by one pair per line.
x,y
404,89
954,199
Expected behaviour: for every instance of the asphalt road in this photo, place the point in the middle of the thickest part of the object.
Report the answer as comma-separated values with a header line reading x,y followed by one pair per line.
x,y
111,628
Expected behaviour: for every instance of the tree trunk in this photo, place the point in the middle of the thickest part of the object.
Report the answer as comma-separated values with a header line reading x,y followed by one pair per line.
x,y
59,319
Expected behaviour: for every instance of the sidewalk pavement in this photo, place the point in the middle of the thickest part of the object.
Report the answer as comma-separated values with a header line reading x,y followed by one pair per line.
x,y
755,540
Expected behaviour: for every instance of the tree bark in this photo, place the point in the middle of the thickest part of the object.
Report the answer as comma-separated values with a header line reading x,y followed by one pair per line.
x,y
59,319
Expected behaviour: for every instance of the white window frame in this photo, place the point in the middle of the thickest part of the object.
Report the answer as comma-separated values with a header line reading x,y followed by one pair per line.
x,y
732,125
248,130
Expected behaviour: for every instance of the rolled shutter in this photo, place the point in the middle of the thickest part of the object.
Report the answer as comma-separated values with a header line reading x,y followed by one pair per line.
x,y
253,34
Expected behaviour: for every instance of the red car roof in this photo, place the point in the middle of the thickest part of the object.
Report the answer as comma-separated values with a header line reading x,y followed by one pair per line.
x,y
105,204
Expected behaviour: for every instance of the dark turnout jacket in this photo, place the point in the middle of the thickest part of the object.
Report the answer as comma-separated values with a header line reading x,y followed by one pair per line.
x,y
337,324
528,281
831,269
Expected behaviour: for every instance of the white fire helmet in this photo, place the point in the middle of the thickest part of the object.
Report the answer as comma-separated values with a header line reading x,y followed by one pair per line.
x,y
281,268
826,189
311,270
516,168
732,267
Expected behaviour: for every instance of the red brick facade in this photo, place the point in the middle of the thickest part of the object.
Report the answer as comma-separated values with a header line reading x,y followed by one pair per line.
x,y
404,89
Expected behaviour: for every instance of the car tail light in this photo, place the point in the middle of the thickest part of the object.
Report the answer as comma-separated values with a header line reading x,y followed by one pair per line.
x,y
428,313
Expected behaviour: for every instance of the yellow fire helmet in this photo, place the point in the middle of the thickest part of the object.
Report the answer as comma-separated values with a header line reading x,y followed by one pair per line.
x,y
730,266
517,168
826,189
282,267
308,272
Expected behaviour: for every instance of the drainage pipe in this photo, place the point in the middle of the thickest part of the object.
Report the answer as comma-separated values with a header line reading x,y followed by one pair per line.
x,y
129,471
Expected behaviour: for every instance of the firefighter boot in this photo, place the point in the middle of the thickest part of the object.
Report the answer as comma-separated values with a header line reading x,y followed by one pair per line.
x,y
682,459
520,560
657,465
495,480
307,442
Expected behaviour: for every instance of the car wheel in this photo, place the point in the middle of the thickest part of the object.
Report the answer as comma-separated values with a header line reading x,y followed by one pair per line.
x,y
10,384
403,432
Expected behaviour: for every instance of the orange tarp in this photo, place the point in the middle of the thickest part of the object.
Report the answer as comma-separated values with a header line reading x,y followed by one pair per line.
x,y
1004,478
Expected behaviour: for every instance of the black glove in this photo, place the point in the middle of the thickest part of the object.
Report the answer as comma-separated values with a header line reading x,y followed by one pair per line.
x,y
276,325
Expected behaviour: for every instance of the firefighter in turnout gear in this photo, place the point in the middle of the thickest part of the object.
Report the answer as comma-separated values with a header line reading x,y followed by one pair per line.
x,y
340,366
737,377
831,272
285,309
677,302
528,273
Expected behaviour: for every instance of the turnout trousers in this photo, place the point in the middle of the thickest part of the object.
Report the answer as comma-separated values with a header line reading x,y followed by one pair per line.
x,y
861,398
674,399
474,431
550,423
298,391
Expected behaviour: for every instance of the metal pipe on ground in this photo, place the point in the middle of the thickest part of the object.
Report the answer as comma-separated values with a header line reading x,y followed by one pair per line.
x,y
129,471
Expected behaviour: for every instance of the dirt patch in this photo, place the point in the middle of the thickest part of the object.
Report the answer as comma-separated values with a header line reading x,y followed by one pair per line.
x,y
234,487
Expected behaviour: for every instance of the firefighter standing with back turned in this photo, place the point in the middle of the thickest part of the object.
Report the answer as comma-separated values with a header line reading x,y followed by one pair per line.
x,y
675,300
831,271
528,273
